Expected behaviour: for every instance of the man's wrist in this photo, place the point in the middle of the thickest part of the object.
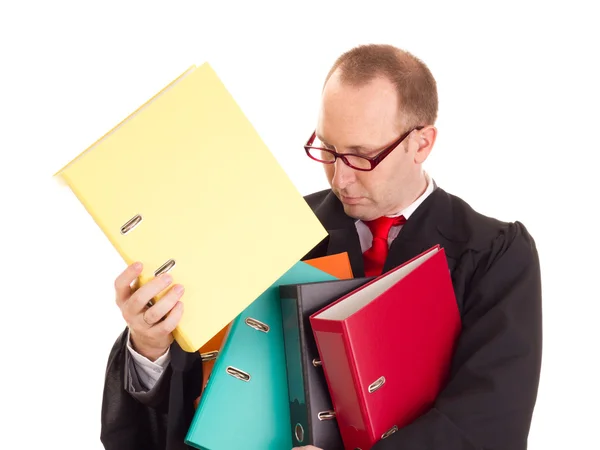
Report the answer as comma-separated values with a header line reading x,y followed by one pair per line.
x,y
152,354
151,358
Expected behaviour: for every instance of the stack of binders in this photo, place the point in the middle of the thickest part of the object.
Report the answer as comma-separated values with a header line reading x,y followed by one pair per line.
x,y
295,352
348,362
367,356
247,392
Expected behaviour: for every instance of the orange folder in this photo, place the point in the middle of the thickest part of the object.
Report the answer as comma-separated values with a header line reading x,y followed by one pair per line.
x,y
337,265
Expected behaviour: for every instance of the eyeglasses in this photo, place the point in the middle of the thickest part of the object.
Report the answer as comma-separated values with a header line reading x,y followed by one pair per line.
x,y
358,162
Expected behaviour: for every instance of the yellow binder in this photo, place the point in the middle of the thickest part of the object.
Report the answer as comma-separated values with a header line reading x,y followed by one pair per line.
x,y
185,184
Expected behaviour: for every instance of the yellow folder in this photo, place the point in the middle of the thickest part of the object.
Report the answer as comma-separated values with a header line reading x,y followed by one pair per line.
x,y
185,184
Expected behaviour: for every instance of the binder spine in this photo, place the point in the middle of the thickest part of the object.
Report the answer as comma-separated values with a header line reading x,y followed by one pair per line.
x,y
364,389
260,327
337,360
363,435
296,372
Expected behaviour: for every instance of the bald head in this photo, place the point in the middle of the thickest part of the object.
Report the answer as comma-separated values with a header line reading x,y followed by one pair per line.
x,y
414,85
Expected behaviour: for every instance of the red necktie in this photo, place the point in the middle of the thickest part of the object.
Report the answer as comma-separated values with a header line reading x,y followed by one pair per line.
x,y
374,258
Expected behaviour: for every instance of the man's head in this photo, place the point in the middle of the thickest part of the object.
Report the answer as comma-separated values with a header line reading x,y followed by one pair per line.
x,y
373,95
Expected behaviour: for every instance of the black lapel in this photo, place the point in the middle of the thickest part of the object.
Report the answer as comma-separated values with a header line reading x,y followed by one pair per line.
x,y
431,224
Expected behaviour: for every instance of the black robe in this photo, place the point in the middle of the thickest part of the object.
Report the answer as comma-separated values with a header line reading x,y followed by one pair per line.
x,y
489,398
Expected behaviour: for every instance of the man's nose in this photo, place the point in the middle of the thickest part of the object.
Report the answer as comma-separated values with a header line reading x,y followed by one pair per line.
x,y
343,175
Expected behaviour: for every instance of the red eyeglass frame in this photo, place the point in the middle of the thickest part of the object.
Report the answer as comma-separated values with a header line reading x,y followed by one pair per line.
x,y
373,160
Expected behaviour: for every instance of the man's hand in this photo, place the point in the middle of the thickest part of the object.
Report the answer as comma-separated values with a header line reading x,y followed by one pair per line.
x,y
150,327
307,447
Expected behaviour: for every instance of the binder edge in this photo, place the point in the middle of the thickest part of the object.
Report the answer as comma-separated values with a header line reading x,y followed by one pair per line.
x,y
218,365
60,173
292,293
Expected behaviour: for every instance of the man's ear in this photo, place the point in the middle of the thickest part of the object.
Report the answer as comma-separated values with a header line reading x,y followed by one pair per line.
x,y
425,140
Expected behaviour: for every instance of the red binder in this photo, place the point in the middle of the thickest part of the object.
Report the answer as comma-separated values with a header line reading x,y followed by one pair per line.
x,y
386,348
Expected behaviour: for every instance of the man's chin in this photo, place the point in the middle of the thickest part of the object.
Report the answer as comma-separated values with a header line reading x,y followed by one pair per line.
x,y
355,211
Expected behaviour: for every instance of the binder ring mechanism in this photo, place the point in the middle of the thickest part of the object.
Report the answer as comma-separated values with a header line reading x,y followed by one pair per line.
x,y
299,432
209,356
165,267
316,362
127,228
162,269
131,224
389,432
376,384
257,325
240,374
326,415
237,373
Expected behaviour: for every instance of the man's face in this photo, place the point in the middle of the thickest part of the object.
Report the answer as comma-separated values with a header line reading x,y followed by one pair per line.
x,y
365,120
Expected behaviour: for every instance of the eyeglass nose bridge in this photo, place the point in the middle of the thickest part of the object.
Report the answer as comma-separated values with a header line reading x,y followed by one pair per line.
x,y
337,156
343,159
343,172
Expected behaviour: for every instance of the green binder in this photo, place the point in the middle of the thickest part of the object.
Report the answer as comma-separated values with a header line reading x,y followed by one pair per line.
x,y
245,404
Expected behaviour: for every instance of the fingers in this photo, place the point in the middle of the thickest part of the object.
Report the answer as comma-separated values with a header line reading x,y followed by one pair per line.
x,y
152,336
139,299
160,309
124,281
171,319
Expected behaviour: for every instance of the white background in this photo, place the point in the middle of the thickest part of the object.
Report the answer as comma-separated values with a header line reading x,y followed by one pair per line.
x,y
518,88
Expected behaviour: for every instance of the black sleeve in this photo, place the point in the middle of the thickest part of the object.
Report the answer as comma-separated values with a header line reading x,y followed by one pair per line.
x,y
163,419
126,423
150,397
489,399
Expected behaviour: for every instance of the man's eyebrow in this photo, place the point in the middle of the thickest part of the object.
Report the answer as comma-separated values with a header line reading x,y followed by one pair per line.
x,y
352,148
362,149
323,140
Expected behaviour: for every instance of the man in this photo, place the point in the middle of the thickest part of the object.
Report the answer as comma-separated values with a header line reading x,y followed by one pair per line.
x,y
374,132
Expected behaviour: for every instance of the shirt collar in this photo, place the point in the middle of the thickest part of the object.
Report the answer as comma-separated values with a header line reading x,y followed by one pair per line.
x,y
407,212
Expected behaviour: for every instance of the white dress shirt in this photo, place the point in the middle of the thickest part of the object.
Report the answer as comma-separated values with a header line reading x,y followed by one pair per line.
x,y
149,372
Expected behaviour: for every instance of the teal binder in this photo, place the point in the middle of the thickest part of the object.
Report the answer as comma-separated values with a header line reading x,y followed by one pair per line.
x,y
245,403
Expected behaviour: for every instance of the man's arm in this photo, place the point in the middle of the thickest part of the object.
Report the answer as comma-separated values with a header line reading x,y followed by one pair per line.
x,y
127,421
489,399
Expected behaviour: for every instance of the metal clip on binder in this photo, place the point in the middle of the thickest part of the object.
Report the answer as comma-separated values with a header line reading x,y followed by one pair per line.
x,y
326,415
259,326
166,267
131,224
209,356
389,432
376,384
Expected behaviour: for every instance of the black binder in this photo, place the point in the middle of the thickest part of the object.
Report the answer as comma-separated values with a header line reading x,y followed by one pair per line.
x,y
312,416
